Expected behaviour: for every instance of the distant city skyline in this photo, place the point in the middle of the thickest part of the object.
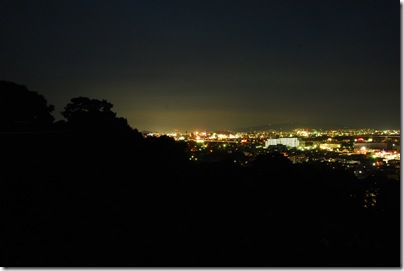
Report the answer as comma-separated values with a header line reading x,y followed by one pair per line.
x,y
211,65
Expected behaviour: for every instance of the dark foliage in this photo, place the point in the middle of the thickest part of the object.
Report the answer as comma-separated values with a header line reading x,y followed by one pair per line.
x,y
22,109
78,200
93,116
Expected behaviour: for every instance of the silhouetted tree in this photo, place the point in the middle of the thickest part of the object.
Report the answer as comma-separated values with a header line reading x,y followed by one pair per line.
x,y
273,161
22,109
85,107
165,149
92,115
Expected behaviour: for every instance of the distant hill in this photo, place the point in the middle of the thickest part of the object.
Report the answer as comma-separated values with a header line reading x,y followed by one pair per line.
x,y
289,126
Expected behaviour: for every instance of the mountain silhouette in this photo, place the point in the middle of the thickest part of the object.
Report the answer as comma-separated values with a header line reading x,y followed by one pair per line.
x,y
289,126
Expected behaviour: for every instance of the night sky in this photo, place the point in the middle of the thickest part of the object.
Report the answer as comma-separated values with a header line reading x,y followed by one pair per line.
x,y
206,65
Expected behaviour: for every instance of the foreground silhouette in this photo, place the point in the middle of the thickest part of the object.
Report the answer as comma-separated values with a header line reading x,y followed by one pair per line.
x,y
79,198
22,109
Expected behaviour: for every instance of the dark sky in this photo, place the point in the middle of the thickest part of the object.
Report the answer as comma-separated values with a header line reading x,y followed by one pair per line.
x,y
211,64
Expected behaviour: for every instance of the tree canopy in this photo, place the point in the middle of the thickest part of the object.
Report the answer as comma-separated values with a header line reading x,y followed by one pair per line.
x,y
80,107
22,109
93,115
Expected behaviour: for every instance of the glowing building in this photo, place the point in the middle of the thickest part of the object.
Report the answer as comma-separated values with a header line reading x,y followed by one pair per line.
x,y
287,141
